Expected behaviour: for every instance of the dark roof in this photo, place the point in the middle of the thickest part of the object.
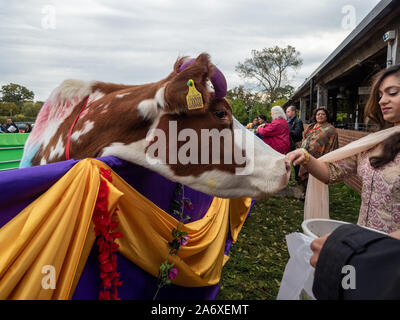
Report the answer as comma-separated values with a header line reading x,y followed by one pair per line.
x,y
369,22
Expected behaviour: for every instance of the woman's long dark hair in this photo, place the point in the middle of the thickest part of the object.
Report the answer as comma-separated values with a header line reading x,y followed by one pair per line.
x,y
390,148
373,114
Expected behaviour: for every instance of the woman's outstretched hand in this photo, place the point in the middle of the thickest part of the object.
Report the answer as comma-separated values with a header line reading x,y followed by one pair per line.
x,y
296,157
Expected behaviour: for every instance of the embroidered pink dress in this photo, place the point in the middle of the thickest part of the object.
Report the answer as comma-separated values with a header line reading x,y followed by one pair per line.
x,y
380,196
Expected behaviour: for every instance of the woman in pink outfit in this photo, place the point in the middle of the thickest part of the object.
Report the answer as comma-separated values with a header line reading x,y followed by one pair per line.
x,y
276,133
379,166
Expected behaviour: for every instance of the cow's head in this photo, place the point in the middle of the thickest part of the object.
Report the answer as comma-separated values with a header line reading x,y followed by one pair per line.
x,y
203,73
181,127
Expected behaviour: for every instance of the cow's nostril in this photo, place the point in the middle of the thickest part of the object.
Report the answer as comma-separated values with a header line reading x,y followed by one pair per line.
x,y
288,167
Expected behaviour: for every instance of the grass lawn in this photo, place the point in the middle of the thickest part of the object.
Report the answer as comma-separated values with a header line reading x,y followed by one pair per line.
x,y
258,259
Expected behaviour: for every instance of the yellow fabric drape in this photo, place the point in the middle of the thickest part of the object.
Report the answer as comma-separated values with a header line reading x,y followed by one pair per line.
x,y
57,230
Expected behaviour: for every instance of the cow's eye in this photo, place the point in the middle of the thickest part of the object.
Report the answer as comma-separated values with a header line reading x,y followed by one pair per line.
x,y
221,114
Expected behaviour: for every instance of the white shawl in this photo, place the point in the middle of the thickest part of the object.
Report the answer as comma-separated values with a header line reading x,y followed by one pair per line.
x,y
317,196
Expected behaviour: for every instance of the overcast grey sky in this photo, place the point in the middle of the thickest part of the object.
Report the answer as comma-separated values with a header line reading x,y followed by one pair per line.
x,y
137,41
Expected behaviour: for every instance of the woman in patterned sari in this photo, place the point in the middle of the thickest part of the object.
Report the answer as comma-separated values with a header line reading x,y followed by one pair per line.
x,y
374,158
318,139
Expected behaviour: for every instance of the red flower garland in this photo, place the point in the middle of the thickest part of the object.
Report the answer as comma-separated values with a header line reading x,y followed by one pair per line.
x,y
104,226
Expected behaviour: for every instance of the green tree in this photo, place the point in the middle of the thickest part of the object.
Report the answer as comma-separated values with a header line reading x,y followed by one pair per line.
x,y
259,109
16,93
285,92
31,109
269,67
8,109
239,111
280,102
250,99
246,96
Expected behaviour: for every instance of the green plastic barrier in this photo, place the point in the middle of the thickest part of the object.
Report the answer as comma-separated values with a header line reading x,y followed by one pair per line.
x,y
11,149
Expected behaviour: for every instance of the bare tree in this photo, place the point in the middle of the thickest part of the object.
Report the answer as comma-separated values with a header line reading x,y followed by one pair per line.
x,y
269,67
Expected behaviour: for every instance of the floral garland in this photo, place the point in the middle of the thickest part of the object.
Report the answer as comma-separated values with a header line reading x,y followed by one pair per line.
x,y
167,271
104,230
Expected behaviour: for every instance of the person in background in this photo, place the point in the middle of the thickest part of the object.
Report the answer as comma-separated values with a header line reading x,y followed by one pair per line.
x,y
28,128
252,126
11,127
276,133
296,129
262,119
320,138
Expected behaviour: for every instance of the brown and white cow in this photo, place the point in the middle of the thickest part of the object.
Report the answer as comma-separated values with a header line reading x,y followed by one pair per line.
x,y
129,121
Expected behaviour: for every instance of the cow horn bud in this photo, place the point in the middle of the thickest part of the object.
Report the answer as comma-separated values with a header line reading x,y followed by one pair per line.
x,y
217,79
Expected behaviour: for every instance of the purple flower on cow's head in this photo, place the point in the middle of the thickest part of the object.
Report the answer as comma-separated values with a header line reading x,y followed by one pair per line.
x,y
172,273
184,240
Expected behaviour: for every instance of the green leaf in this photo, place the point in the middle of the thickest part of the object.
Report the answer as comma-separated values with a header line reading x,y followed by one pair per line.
x,y
177,213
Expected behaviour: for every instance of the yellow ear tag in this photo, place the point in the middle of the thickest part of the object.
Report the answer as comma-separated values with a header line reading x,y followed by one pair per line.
x,y
194,98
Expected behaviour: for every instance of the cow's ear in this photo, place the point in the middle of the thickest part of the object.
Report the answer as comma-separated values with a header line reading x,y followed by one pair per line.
x,y
194,75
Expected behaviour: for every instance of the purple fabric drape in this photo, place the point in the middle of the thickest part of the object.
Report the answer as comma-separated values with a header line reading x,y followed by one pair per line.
x,y
19,188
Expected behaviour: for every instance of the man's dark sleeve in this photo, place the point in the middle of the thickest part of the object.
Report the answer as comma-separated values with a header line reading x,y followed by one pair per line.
x,y
374,256
298,130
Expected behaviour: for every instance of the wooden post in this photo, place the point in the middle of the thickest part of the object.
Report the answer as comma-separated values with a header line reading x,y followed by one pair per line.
x,y
311,102
303,107
322,96
334,109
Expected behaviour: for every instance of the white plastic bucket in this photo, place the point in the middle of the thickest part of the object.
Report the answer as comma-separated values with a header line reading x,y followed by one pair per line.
x,y
316,228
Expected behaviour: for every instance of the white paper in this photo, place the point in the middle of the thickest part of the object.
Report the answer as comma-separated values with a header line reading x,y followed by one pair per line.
x,y
298,276
12,129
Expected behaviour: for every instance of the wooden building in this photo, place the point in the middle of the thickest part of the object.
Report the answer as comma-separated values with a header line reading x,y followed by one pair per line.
x,y
342,82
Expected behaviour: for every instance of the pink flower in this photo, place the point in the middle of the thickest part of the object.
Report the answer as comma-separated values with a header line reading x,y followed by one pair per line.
x,y
188,204
184,240
173,272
